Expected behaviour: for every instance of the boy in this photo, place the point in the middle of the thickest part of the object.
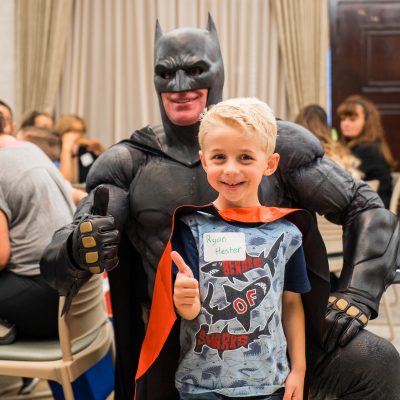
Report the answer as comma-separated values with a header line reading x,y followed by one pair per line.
x,y
230,298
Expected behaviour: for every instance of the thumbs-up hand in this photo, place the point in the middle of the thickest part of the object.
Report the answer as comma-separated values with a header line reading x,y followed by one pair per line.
x,y
95,239
186,289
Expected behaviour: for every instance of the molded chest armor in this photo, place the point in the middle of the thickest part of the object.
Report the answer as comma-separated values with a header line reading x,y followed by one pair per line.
x,y
159,187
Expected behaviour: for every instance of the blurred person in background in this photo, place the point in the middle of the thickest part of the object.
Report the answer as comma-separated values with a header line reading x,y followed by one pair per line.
x,y
314,118
78,153
362,132
38,119
34,203
50,143
9,124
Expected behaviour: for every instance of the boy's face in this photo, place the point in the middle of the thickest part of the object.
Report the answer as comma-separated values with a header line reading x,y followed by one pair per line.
x,y
235,163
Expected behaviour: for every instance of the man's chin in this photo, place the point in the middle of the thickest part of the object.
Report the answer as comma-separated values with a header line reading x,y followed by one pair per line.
x,y
185,120
185,123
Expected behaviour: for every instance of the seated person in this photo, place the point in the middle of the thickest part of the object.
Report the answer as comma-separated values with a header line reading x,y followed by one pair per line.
x,y
38,119
361,130
77,153
50,143
34,203
314,118
9,123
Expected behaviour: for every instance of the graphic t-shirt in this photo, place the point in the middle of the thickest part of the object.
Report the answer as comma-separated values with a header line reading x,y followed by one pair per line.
x,y
236,346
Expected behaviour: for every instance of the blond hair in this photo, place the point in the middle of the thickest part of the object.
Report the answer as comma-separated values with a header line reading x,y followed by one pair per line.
x,y
67,121
252,115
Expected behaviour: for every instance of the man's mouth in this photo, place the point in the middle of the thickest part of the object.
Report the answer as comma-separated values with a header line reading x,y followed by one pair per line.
x,y
184,100
184,97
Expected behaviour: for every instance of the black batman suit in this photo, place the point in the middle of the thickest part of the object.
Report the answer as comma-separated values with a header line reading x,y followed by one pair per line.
x,y
158,169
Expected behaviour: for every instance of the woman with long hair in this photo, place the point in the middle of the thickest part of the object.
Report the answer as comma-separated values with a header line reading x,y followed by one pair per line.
x,y
362,132
314,118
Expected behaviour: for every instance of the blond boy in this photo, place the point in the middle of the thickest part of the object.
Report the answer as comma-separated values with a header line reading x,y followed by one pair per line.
x,y
238,284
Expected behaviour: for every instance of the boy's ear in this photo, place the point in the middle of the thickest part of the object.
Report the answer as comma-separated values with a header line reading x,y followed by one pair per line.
x,y
203,160
272,164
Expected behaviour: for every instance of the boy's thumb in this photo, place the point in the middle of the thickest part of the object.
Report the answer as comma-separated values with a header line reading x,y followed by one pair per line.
x,y
180,263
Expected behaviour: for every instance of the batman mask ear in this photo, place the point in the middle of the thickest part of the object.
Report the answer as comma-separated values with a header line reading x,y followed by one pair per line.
x,y
211,25
159,31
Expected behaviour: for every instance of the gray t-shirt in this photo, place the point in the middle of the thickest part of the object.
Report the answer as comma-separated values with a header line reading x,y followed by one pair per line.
x,y
36,202
236,346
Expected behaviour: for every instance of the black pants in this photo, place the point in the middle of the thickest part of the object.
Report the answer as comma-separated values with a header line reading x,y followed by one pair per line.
x,y
30,303
367,368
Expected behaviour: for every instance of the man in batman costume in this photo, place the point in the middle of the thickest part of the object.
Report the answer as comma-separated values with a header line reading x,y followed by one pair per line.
x,y
137,184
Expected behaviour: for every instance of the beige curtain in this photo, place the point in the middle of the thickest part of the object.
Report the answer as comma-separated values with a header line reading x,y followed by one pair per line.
x,y
42,28
108,71
303,34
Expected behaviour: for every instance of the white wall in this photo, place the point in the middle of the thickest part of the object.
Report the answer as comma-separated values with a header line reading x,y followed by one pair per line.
x,y
7,51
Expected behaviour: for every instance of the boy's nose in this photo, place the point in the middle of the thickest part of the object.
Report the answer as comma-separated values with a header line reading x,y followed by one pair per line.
x,y
231,168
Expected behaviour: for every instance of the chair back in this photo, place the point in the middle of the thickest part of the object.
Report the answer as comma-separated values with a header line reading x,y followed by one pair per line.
x,y
394,200
332,235
374,184
86,315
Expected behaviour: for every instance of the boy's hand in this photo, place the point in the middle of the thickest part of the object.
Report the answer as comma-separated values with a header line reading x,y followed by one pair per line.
x,y
186,289
294,386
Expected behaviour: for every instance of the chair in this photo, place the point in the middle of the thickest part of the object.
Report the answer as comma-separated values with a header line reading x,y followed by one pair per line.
x,y
394,208
332,235
85,337
374,184
394,199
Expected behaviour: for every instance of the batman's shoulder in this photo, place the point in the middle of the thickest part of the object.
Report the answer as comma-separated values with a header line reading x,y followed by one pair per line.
x,y
145,139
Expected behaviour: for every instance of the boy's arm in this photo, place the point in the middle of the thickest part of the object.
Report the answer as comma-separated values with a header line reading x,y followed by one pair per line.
x,y
186,290
294,328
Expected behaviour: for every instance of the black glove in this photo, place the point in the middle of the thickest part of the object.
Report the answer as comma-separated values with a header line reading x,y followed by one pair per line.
x,y
95,239
344,318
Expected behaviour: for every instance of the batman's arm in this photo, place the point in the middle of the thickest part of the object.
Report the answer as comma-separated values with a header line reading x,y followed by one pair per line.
x,y
114,169
370,232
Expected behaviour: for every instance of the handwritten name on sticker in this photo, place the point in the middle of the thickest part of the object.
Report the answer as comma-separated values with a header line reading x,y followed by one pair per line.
x,y
221,246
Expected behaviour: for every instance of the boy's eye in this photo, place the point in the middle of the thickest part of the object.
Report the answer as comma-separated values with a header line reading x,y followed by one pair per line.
x,y
245,157
218,157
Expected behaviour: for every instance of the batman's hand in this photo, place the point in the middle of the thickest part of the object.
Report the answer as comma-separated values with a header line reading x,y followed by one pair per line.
x,y
95,239
344,318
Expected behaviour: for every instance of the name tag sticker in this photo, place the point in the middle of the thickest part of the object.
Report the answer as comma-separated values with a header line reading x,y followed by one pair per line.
x,y
224,246
86,159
